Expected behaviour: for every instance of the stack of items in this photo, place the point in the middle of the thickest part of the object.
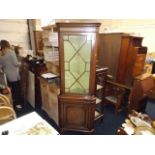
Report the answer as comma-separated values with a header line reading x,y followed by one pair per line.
x,y
138,124
50,49
51,54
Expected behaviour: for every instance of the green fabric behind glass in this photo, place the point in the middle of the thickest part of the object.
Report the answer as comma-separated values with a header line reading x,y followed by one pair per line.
x,y
77,55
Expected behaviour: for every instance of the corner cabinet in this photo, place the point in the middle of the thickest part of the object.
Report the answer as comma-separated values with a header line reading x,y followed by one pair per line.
x,y
78,49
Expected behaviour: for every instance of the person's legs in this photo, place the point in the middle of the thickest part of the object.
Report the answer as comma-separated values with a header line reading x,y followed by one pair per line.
x,y
18,99
11,85
16,93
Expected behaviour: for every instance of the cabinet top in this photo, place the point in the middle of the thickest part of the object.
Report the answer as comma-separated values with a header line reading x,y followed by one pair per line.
x,y
78,24
122,34
50,27
78,27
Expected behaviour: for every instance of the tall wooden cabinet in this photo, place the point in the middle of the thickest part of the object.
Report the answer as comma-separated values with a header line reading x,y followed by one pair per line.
x,y
78,49
135,63
123,54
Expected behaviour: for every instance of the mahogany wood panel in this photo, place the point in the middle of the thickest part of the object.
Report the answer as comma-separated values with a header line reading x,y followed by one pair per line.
x,y
120,52
135,63
77,112
125,43
108,52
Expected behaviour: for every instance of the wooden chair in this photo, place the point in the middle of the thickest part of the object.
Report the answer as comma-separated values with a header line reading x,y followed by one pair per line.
x,y
7,112
4,100
115,94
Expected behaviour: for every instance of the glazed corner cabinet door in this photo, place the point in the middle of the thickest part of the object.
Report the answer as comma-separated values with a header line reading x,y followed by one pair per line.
x,y
78,49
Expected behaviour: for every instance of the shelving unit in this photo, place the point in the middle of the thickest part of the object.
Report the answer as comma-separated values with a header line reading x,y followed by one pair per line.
x,y
50,86
51,48
101,74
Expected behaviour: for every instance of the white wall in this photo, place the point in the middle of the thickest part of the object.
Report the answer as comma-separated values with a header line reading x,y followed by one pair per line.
x,y
15,31
143,27
139,27
34,24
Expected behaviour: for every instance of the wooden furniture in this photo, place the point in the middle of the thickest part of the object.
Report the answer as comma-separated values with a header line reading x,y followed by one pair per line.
x,y
123,54
153,77
151,93
38,42
140,90
135,63
6,99
7,112
78,49
51,48
24,75
7,95
35,69
50,90
116,94
101,77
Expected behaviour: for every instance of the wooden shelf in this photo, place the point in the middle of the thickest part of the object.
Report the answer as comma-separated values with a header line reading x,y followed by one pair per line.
x,y
98,100
98,115
112,99
101,74
99,87
51,46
